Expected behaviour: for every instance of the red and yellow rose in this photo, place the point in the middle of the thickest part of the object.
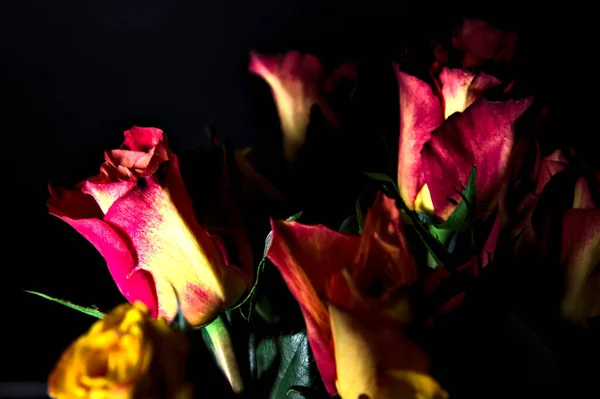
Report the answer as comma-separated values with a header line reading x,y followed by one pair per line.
x,y
139,216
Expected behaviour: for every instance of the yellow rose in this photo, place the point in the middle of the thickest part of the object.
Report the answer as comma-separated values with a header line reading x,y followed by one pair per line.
x,y
127,354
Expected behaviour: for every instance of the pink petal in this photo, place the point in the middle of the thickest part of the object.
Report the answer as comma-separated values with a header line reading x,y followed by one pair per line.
x,y
420,114
142,139
171,246
305,257
296,82
81,212
581,257
480,136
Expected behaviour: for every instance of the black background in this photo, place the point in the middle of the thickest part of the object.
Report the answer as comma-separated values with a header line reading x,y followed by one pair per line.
x,y
75,74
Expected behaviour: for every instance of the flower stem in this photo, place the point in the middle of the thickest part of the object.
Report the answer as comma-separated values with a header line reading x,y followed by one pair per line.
x,y
224,353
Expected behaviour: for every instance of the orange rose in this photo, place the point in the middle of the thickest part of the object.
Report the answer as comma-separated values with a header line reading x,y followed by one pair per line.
x,y
127,354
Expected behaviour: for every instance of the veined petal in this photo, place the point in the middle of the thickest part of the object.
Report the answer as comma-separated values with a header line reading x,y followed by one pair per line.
x,y
295,80
480,136
581,257
420,114
83,214
305,257
176,251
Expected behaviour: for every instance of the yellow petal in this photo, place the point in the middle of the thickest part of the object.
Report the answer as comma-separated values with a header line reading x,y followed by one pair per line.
x,y
423,201
355,360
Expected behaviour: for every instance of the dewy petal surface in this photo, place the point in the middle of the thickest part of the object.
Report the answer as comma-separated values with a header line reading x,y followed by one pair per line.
x,y
482,136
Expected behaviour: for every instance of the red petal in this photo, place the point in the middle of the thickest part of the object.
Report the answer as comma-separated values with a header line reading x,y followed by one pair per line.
x,y
420,114
462,88
142,139
480,136
581,257
305,256
81,212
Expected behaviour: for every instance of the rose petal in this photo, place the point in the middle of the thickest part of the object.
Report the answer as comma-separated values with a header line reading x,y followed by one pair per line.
x,y
295,80
305,256
420,114
176,251
106,194
461,88
480,42
480,136
581,257
410,384
142,139
364,354
81,212
384,255
582,198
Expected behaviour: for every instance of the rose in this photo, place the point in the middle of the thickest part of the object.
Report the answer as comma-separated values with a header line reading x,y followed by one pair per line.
x,y
126,354
479,42
552,217
298,83
444,133
364,280
139,216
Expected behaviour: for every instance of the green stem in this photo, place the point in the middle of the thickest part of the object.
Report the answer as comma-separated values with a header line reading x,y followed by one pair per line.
x,y
224,353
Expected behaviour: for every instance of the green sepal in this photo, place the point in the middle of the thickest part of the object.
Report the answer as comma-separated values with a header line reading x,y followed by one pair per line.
x,y
90,311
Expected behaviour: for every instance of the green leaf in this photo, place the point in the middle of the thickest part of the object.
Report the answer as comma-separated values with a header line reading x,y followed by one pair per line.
x,y
308,393
439,254
90,311
284,365
294,217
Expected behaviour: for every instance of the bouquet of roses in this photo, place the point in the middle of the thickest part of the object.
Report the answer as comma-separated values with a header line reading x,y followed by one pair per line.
x,y
327,277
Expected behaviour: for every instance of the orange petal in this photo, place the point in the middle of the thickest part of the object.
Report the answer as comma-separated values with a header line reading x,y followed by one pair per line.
x,y
305,257
384,257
